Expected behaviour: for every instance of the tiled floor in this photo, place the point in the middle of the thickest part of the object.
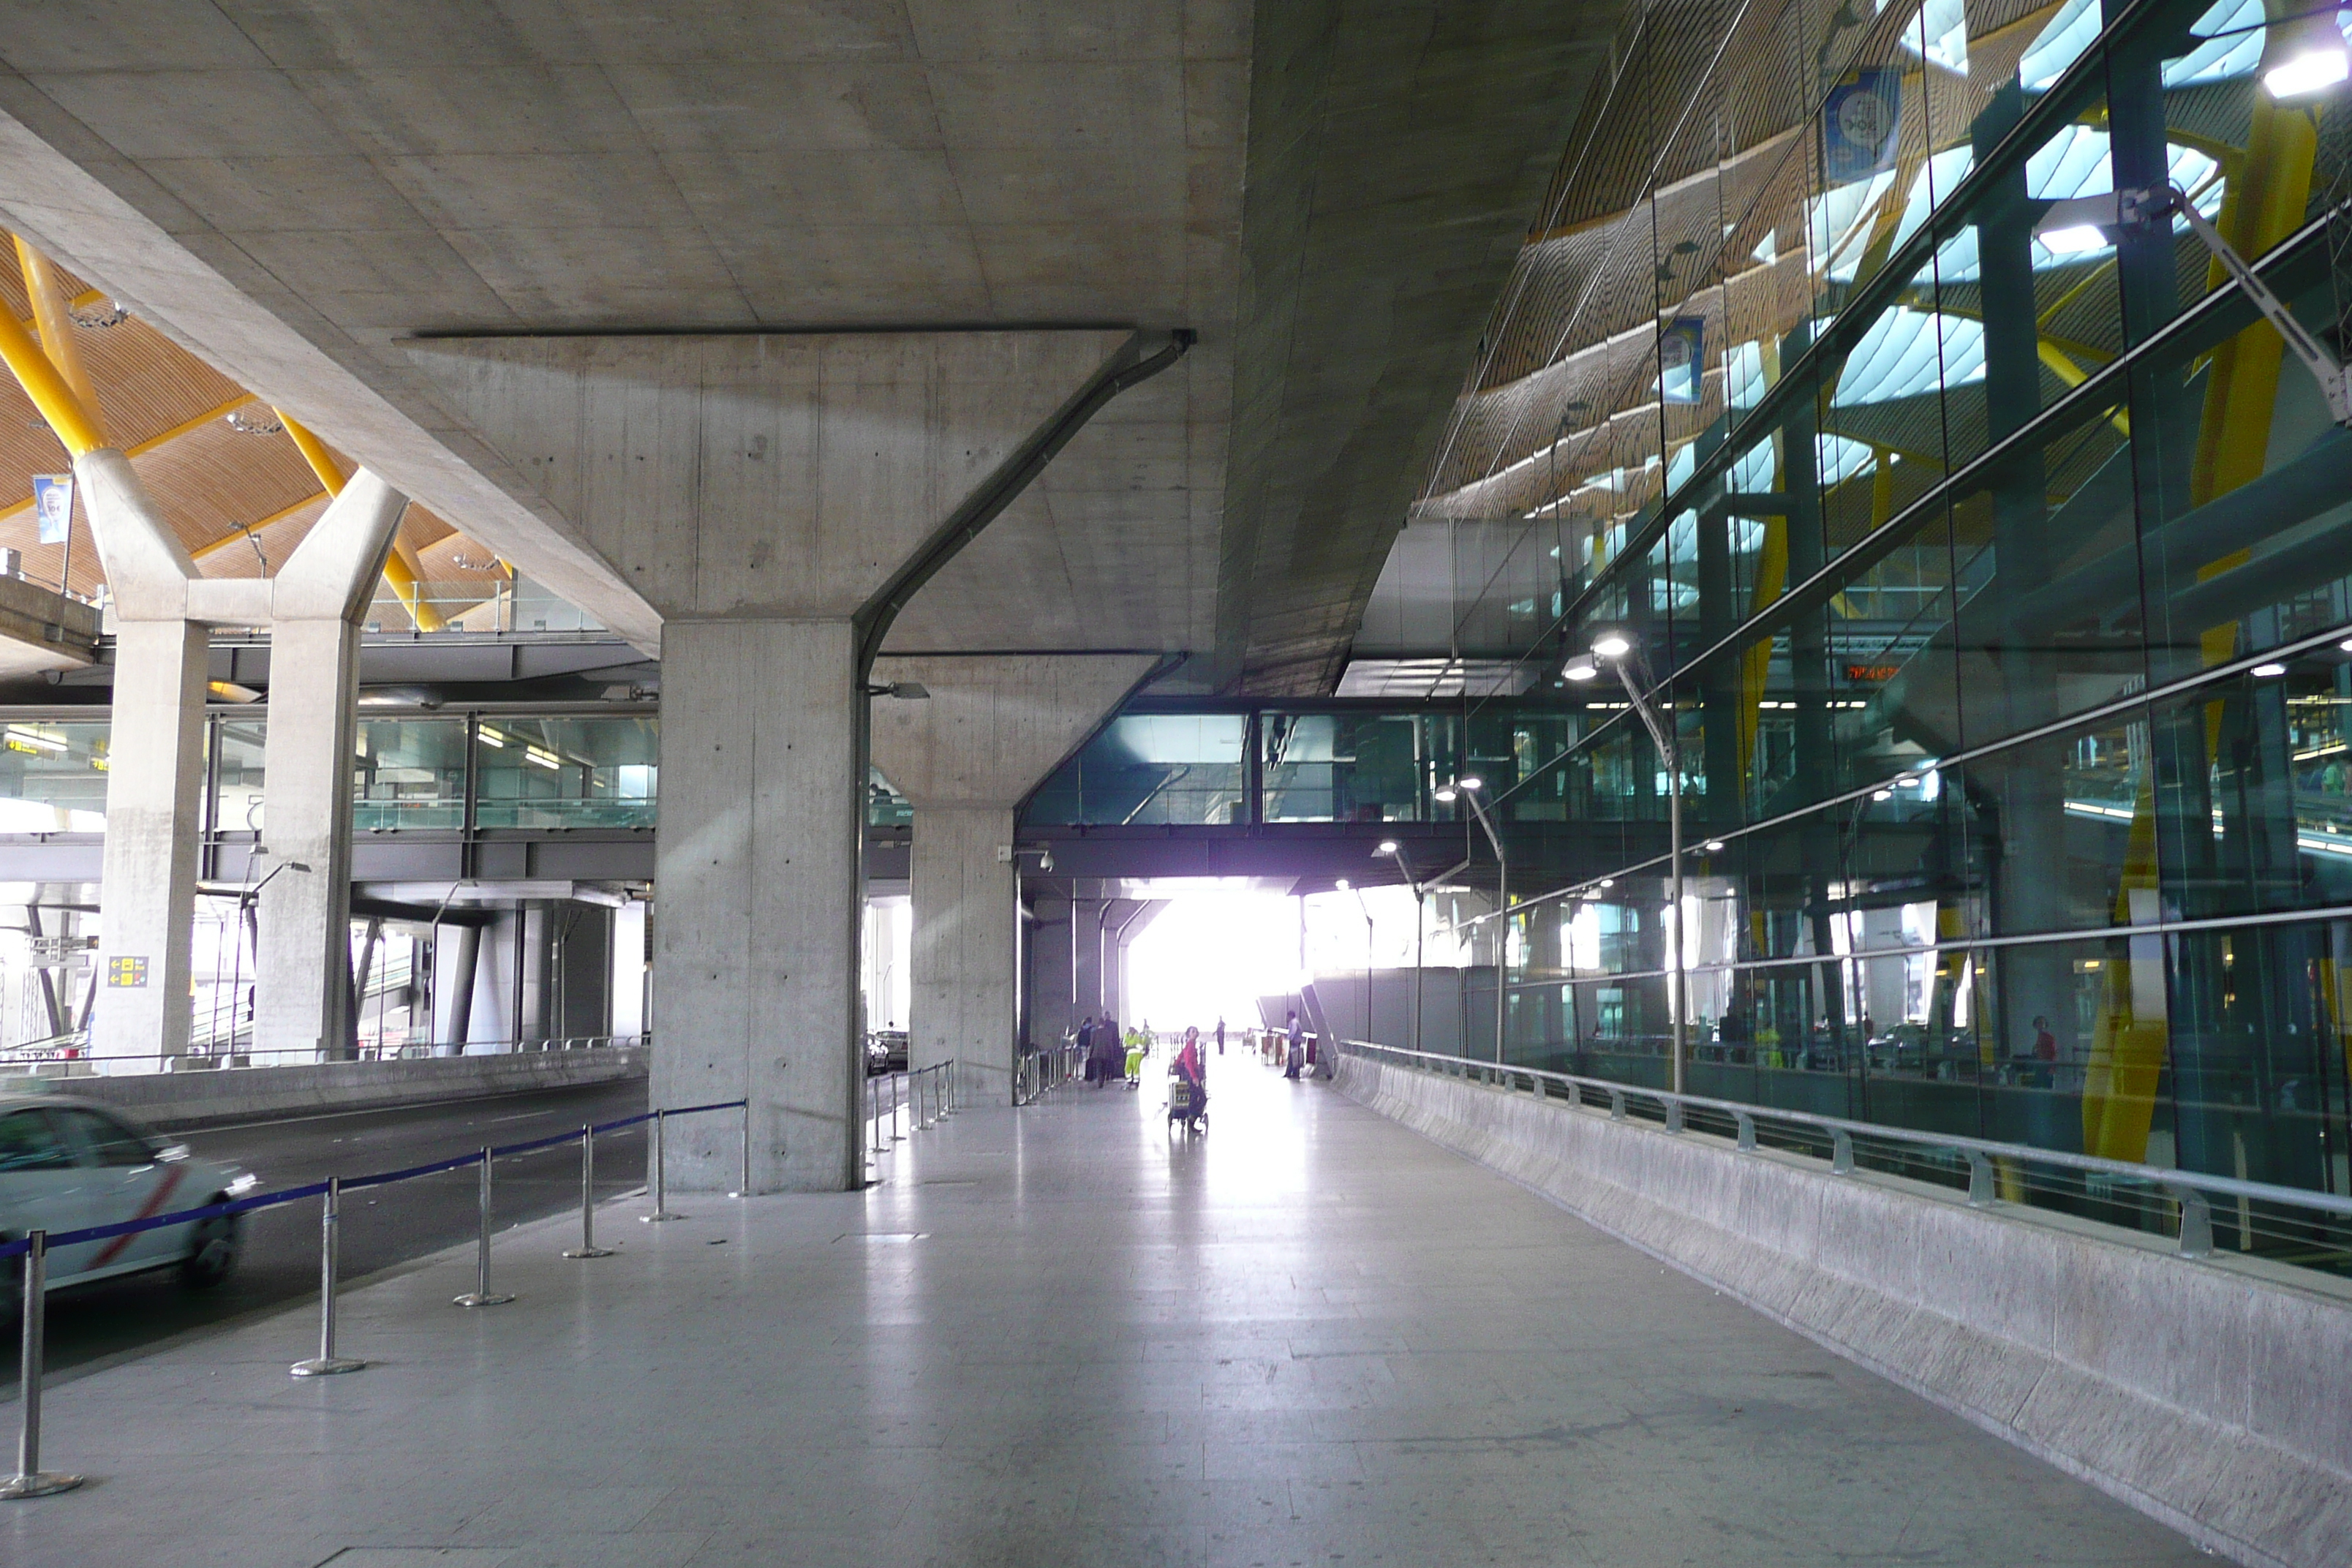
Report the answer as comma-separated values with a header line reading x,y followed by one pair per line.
x,y
1056,1338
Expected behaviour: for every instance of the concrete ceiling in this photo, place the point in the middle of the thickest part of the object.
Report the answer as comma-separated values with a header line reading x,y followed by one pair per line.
x,y
296,190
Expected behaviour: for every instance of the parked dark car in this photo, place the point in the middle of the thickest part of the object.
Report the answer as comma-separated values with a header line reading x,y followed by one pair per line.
x,y
886,1051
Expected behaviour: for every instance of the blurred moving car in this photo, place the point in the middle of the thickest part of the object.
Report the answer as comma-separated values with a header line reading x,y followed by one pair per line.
x,y
66,1164
886,1051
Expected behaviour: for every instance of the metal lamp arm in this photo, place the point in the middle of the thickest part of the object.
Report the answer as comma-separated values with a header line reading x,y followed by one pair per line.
x,y
2300,340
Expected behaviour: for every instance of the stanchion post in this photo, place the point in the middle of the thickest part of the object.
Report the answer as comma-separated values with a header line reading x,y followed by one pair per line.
x,y
661,1175
327,1363
588,1247
743,1188
898,1106
30,1479
481,1295
874,1103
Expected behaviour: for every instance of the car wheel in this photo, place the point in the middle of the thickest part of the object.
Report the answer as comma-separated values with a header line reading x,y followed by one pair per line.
x,y
213,1250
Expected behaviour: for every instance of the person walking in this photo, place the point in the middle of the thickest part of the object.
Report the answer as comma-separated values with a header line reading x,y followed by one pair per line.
x,y
1221,1037
1086,1046
1295,1049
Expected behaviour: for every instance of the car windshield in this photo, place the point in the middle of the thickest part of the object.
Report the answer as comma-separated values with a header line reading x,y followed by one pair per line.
x,y
27,1143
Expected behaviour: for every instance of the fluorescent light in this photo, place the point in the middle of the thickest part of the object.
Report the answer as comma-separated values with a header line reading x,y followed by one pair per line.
x,y
2075,240
543,758
493,739
21,739
2314,70
2267,671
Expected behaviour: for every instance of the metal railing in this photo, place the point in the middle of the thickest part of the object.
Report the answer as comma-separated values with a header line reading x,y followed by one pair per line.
x,y
897,1103
69,1056
1042,1070
2291,1223
31,1481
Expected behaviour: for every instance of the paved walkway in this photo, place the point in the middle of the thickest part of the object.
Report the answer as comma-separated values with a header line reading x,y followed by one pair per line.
x,y
1057,1339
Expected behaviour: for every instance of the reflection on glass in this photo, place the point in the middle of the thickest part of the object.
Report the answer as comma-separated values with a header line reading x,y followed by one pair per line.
x,y
566,772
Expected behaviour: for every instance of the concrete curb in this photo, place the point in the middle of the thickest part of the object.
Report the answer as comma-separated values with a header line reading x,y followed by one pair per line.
x,y
2214,1400
188,1101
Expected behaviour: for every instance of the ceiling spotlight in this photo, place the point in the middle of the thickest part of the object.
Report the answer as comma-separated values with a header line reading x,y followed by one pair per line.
x,y
2267,671
1581,667
1606,882
1715,846
1445,795
1882,795
1343,884
2312,57
1388,847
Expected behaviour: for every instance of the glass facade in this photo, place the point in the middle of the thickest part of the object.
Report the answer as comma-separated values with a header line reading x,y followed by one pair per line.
x,y
1992,564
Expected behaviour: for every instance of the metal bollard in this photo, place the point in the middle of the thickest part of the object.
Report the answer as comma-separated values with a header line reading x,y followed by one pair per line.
x,y
898,1105
327,1363
588,1247
743,1189
874,1103
661,1175
30,1479
481,1295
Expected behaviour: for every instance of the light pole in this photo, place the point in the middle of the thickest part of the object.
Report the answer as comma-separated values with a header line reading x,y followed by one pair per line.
x,y
1616,648
1395,851
1466,788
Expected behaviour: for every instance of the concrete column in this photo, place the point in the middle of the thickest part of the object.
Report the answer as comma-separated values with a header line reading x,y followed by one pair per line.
x,y
1052,993
302,979
766,494
992,728
153,792
755,950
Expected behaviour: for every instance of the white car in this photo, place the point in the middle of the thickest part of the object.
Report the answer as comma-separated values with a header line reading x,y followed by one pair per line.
x,y
66,1164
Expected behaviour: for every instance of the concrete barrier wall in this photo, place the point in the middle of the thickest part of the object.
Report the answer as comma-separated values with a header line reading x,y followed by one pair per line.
x,y
192,1100
2214,1395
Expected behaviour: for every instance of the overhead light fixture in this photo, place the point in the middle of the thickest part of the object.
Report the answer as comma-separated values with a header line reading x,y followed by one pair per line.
x,y
1445,795
2311,56
1715,846
1882,795
1612,645
1470,781
20,739
1388,847
1581,667
493,739
2345,645
543,758
2267,671
2075,239
1606,882
1343,884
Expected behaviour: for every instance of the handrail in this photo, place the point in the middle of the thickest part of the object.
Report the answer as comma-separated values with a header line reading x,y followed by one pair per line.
x,y
2154,1175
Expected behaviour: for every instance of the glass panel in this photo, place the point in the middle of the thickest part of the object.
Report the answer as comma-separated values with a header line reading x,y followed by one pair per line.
x,y
408,774
53,777
567,772
1152,768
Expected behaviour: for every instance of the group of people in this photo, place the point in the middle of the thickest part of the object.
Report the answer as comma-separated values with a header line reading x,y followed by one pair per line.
x,y
1111,1054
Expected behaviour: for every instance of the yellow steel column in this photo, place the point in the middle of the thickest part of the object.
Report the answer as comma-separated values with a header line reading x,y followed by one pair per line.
x,y
401,568
51,313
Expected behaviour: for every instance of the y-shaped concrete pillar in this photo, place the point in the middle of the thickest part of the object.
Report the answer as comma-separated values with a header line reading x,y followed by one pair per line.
x,y
992,729
303,966
770,496
155,752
